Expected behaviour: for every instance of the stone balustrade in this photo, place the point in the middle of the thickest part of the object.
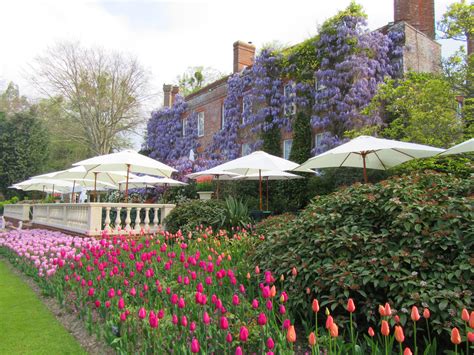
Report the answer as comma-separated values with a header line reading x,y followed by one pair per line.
x,y
19,212
95,218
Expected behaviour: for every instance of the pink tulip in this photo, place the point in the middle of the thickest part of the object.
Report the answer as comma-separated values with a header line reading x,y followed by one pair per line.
x,y
262,319
238,351
255,304
228,338
205,318
270,343
195,346
142,313
244,334
223,323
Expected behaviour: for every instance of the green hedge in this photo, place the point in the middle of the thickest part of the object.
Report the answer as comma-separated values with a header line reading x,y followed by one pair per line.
x,y
187,215
407,240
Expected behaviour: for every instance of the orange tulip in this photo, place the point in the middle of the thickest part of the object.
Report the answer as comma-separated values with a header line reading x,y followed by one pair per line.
x,y
407,352
385,328
399,334
351,306
329,322
273,291
248,275
426,313
282,278
312,339
470,337
381,310
371,331
291,334
455,336
388,310
334,330
415,315
257,270
471,320
465,315
315,306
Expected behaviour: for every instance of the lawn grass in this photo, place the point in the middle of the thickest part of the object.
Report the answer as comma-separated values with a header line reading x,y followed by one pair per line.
x,y
26,325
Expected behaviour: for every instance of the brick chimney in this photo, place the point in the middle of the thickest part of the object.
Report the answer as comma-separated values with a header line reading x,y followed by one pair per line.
x,y
174,92
244,55
167,95
418,13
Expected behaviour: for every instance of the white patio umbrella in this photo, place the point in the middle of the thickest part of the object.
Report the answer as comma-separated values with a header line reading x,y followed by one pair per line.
x,y
45,185
464,147
256,163
270,175
146,180
218,174
128,161
369,153
81,177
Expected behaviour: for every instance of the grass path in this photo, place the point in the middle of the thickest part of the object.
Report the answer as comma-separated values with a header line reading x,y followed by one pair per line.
x,y
26,325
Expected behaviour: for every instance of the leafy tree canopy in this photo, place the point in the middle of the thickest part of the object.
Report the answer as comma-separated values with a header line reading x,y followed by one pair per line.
x,y
195,78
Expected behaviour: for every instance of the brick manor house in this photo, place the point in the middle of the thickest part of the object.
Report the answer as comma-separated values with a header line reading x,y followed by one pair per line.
x,y
421,53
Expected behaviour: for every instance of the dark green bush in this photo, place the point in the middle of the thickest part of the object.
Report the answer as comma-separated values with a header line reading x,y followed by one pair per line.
x,y
273,223
236,214
187,215
407,240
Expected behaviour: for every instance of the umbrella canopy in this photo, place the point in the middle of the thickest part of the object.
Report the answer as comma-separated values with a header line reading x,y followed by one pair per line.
x,y
256,163
464,147
128,161
46,185
270,175
147,180
369,153
78,173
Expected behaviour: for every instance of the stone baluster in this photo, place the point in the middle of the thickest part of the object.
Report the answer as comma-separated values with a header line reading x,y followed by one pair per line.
x,y
155,218
107,219
118,222
138,220
146,227
128,220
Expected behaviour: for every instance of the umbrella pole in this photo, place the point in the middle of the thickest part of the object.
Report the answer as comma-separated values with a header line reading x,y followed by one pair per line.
x,y
365,169
267,193
53,191
217,192
126,184
95,187
260,187
72,194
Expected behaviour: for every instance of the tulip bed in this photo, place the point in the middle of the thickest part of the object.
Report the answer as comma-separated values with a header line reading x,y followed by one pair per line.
x,y
196,294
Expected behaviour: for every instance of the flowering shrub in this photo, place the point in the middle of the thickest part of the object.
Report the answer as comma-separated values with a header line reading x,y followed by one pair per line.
x,y
204,183
408,240
172,294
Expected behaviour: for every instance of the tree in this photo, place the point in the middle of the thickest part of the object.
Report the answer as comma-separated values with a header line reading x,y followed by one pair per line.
x,y
103,91
421,108
11,101
23,147
195,78
458,69
63,149
458,23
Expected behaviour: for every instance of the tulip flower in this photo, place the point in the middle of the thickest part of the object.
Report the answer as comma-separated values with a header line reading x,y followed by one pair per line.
x,y
312,339
371,332
228,338
255,304
224,323
471,320
415,315
470,337
121,303
244,334
350,305
153,320
257,270
142,313
455,336
407,351
192,326
238,351
286,323
329,322
97,303
426,313
387,310
205,318
107,304
262,319
385,328
381,310
465,315
195,346
399,336
315,306
294,272
282,309
270,343
291,334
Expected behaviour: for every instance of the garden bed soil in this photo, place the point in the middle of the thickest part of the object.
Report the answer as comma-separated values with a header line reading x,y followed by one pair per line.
x,y
69,321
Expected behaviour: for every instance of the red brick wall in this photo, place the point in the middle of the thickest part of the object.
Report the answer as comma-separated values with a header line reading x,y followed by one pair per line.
x,y
418,13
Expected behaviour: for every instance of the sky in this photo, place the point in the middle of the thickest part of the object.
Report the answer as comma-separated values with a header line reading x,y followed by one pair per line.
x,y
166,37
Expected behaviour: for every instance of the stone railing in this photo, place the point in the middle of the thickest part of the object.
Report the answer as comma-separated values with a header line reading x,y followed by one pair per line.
x,y
95,218
20,212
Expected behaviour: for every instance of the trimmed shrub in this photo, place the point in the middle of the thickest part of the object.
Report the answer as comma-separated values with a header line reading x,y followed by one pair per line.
x,y
188,215
409,240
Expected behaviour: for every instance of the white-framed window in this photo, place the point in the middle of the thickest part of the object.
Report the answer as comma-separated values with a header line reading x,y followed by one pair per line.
x,y
185,123
459,105
245,106
287,144
222,116
200,122
289,94
246,150
318,138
